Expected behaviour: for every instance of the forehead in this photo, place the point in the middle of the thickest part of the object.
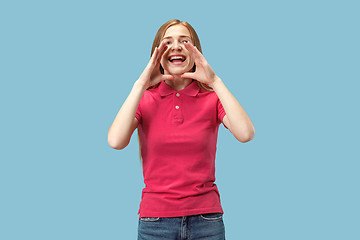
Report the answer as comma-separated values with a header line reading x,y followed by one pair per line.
x,y
177,30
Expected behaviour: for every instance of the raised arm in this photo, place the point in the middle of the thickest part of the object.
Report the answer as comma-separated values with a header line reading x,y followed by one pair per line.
x,y
236,119
125,122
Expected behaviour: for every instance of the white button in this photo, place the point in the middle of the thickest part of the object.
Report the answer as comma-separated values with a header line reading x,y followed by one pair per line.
x,y
177,94
177,107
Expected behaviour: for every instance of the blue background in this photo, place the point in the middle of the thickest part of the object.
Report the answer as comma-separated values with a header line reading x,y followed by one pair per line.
x,y
67,66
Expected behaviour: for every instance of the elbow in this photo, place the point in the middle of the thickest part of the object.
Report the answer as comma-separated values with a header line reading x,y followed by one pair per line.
x,y
245,137
118,145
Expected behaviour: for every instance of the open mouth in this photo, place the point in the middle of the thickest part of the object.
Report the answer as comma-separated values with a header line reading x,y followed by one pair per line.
x,y
177,59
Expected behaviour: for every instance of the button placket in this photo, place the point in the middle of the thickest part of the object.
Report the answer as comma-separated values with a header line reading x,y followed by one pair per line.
x,y
178,116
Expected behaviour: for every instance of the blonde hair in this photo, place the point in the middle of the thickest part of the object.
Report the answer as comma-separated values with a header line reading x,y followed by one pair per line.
x,y
157,40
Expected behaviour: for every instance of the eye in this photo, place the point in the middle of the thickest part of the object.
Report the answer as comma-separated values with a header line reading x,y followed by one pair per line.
x,y
184,41
168,42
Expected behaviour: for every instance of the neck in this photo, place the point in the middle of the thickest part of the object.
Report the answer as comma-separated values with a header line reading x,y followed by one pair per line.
x,y
178,83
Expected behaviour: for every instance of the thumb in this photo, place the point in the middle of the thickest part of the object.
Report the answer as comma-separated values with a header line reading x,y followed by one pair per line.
x,y
188,75
167,77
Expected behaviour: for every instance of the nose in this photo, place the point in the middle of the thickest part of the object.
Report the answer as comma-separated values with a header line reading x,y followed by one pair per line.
x,y
176,46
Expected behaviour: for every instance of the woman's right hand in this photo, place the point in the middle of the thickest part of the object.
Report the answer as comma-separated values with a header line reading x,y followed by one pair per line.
x,y
152,75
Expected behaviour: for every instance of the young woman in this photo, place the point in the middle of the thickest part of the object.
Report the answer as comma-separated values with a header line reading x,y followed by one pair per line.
x,y
177,104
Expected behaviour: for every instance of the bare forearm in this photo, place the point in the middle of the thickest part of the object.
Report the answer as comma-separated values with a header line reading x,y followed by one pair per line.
x,y
238,122
124,124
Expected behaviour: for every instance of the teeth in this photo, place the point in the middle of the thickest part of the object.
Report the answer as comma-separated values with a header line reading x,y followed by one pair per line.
x,y
176,58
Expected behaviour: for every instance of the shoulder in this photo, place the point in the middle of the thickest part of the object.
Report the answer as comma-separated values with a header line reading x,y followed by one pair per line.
x,y
208,94
150,95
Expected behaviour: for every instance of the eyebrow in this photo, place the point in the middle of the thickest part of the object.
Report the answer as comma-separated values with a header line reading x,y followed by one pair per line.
x,y
179,36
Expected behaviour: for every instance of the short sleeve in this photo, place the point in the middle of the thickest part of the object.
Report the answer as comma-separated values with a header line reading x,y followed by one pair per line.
x,y
138,112
221,112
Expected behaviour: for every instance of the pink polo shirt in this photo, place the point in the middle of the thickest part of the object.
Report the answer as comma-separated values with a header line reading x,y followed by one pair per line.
x,y
178,134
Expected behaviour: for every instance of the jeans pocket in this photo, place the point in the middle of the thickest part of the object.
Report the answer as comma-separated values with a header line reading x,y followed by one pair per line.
x,y
212,216
149,219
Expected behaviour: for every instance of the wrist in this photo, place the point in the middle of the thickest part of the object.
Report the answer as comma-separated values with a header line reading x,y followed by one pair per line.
x,y
215,82
140,85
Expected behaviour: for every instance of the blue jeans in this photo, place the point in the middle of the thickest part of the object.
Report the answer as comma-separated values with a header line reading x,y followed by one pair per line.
x,y
209,226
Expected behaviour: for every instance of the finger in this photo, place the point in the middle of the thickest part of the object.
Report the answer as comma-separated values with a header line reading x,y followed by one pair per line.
x,y
162,54
194,51
162,44
154,55
167,77
162,48
188,75
161,78
154,63
166,51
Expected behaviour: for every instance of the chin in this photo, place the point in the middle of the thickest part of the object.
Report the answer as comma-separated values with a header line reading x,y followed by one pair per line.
x,y
177,70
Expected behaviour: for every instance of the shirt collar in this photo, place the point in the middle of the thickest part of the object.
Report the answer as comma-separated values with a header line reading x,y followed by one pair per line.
x,y
192,89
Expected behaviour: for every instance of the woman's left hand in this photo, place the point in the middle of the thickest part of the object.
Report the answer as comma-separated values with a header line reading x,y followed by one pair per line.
x,y
236,119
203,72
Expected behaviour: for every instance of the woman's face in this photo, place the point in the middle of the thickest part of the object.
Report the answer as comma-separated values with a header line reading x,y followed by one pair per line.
x,y
177,60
